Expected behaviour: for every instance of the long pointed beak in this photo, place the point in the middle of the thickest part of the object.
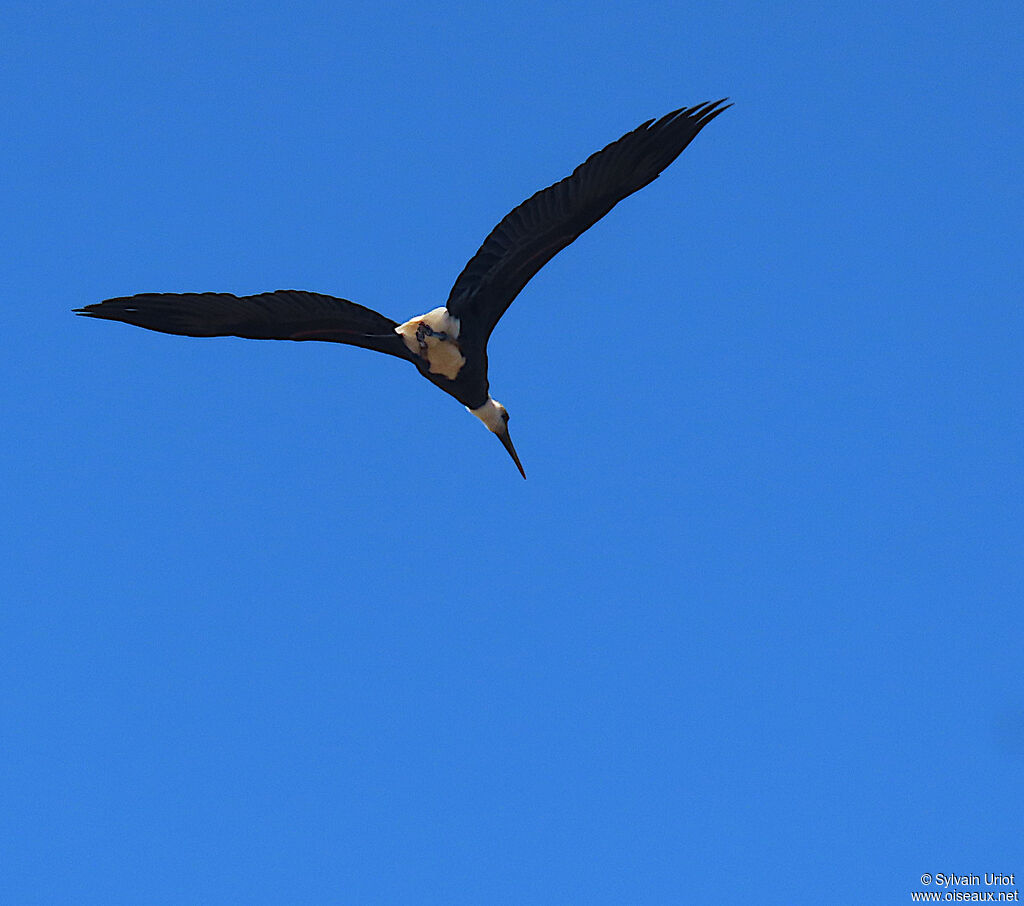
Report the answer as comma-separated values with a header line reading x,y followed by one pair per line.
x,y
507,443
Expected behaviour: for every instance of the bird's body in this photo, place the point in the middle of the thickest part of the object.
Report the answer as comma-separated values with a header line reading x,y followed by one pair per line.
x,y
448,344
434,337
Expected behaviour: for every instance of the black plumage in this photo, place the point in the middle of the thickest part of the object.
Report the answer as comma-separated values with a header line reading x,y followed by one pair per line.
x,y
522,243
286,314
531,234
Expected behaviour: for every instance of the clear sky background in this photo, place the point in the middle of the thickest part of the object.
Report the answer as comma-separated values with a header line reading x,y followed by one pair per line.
x,y
281,623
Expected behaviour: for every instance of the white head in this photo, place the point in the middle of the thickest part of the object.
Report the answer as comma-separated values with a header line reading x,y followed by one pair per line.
x,y
495,416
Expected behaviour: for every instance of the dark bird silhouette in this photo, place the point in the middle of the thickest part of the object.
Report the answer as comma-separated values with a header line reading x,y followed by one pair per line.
x,y
448,345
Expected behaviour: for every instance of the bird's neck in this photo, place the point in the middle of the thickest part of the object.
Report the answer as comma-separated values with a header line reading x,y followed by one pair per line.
x,y
490,414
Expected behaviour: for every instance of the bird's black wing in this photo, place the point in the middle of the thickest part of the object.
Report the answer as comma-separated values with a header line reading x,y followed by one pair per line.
x,y
286,314
532,234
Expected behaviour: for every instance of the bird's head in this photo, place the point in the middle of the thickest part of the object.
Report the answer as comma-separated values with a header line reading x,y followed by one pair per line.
x,y
495,416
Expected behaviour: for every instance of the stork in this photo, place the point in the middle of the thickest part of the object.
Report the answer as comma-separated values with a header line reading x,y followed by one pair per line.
x,y
449,344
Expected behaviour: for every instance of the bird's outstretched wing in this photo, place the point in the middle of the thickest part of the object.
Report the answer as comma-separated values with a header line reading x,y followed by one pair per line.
x,y
532,234
286,314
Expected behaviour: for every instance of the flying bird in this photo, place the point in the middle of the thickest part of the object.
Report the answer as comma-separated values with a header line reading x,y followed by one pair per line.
x,y
449,344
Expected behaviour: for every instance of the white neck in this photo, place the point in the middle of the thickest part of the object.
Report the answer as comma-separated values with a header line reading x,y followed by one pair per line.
x,y
490,414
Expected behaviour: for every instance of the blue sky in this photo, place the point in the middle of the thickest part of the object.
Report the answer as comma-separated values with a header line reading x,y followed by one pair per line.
x,y
282,623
